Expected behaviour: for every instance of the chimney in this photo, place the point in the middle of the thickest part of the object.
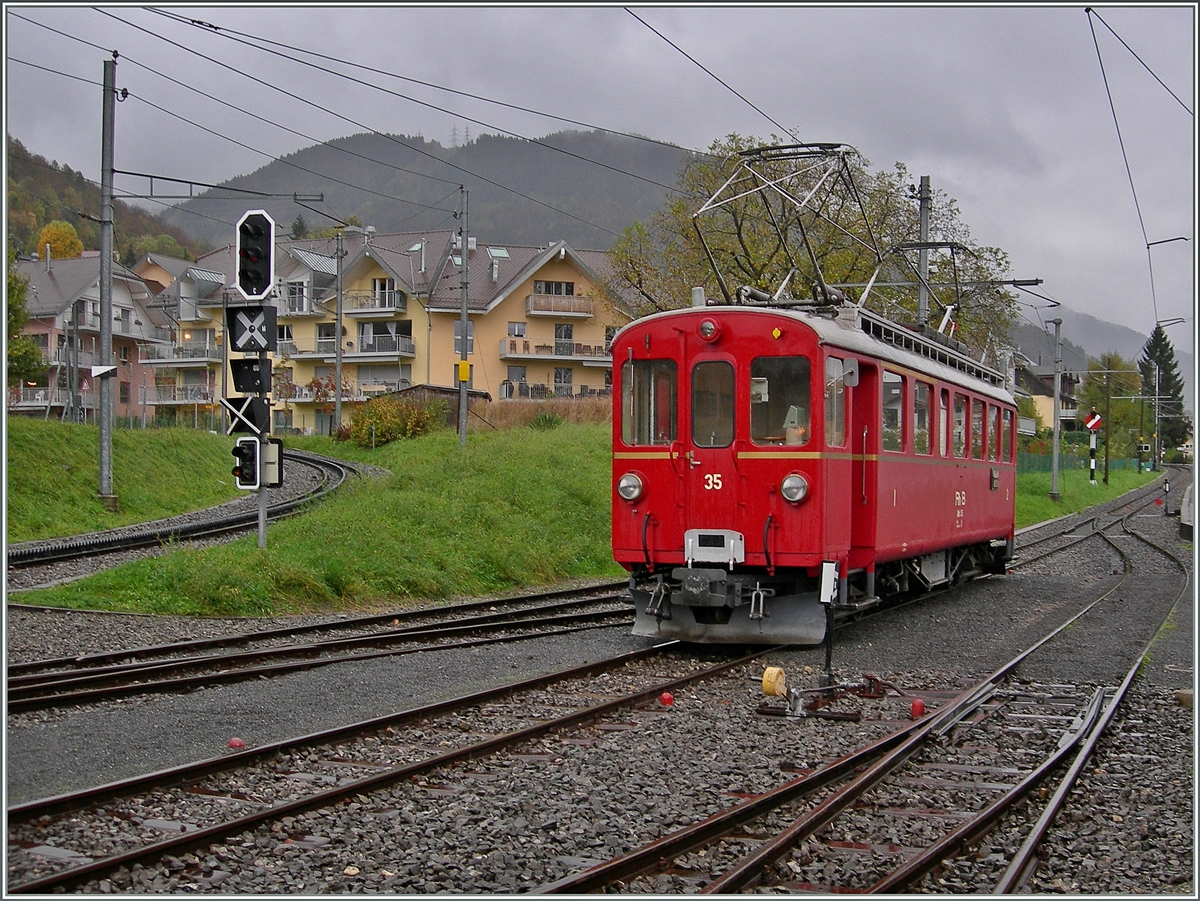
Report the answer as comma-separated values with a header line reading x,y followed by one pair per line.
x,y
47,257
495,270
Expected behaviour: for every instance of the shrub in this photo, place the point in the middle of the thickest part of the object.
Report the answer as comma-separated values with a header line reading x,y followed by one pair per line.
x,y
544,422
387,418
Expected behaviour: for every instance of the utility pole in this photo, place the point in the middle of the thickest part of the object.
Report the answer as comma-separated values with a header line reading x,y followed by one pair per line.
x,y
1107,420
337,329
1054,493
106,244
464,368
925,198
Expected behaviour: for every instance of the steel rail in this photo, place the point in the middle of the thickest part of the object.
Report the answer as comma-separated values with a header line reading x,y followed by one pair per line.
x,y
200,837
29,699
1021,867
880,757
24,685
16,669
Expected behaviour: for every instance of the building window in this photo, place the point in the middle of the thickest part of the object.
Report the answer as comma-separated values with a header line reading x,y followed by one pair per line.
x,y
516,330
516,373
123,353
566,289
458,337
124,392
564,339
297,297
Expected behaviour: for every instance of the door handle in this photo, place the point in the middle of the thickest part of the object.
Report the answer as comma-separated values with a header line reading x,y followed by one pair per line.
x,y
691,455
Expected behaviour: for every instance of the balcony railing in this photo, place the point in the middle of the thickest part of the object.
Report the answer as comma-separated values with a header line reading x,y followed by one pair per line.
x,y
63,356
154,353
559,305
522,347
180,394
374,302
385,344
510,390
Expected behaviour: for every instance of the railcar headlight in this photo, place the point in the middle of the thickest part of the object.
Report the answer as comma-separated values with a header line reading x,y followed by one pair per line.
x,y
794,488
630,486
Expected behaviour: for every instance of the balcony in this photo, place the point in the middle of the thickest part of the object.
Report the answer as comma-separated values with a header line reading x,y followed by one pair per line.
x,y
380,303
394,346
523,349
200,354
559,305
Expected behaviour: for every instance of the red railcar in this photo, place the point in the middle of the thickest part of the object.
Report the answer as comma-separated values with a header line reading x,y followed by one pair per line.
x,y
753,444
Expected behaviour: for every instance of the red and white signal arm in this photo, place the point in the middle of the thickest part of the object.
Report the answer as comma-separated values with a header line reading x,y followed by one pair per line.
x,y
1093,421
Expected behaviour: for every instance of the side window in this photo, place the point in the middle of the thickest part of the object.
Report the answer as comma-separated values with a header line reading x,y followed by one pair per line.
x,y
649,401
892,426
779,400
1006,437
960,425
993,442
943,423
977,429
712,404
835,402
921,399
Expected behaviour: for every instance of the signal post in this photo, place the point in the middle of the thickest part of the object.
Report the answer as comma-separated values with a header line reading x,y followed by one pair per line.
x,y
252,329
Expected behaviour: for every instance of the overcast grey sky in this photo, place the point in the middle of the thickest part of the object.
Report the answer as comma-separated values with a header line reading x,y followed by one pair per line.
x,y
1006,108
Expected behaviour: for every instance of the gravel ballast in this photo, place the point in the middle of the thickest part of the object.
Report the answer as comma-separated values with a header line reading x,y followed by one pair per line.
x,y
1128,826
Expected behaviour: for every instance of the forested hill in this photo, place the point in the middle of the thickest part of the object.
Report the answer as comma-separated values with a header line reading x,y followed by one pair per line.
x,y
582,187
40,191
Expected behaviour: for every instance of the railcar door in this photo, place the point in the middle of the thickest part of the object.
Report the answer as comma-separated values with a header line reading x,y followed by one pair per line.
x,y
710,477
864,448
841,375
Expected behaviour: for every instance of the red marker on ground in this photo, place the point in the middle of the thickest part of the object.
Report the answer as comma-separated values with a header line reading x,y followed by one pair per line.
x,y
666,699
236,743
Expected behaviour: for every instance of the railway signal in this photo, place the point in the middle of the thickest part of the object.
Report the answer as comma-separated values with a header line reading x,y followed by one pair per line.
x,y
255,254
245,470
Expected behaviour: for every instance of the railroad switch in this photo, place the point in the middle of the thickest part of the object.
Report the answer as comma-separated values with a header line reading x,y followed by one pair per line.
x,y
815,702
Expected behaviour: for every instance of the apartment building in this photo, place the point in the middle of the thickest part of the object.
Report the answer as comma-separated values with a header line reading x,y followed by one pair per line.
x,y
539,323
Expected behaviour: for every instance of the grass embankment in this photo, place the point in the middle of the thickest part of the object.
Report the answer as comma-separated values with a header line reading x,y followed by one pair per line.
x,y
1033,492
518,507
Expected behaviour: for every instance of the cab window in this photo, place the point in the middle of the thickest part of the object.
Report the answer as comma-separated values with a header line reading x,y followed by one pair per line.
x,y
779,400
892,426
712,404
649,401
835,402
993,442
1006,437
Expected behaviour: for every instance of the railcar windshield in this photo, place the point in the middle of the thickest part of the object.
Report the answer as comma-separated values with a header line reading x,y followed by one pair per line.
x,y
780,400
712,404
649,401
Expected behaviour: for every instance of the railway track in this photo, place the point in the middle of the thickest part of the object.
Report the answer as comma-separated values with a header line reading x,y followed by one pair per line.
x,y
951,796
191,665
913,806
324,475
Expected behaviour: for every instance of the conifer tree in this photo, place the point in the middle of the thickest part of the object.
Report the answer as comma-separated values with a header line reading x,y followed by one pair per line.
x,y
1161,378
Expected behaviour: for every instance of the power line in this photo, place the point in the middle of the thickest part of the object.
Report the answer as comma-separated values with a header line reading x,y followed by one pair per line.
x,y
711,74
212,29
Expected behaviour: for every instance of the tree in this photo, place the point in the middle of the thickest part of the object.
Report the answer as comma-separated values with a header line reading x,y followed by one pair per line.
x,y
1110,386
299,227
63,240
1161,380
25,359
838,225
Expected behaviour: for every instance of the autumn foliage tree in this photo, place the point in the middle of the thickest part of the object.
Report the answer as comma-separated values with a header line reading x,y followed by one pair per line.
x,y
858,221
63,240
